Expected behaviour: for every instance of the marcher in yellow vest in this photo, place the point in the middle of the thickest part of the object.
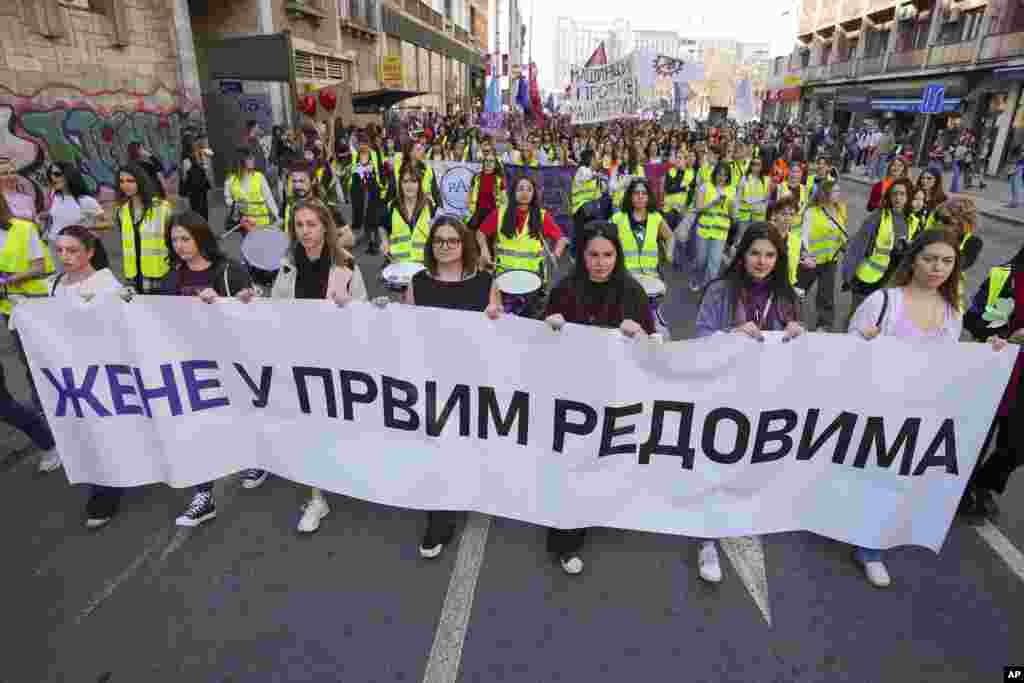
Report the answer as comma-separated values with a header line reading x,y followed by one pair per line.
x,y
753,195
589,184
415,152
366,191
302,191
247,189
491,180
869,257
822,169
823,236
24,264
960,216
782,222
630,169
143,221
716,209
796,188
641,228
409,221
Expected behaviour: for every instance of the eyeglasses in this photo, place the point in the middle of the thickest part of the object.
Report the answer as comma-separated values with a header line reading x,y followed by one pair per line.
x,y
447,242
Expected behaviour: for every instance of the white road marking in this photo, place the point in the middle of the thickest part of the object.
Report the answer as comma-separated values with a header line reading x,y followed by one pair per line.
x,y
100,597
446,652
747,556
1005,548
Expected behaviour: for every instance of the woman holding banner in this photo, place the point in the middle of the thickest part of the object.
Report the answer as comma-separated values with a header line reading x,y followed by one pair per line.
x,y
452,279
198,268
316,267
599,292
754,295
921,304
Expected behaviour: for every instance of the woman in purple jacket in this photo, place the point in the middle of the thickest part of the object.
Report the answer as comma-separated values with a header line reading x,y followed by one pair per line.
x,y
753,296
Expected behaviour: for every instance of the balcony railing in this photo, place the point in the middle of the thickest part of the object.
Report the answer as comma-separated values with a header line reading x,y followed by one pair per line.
x,y
954,53
436,20
871,65
908,59
841,69
1001,46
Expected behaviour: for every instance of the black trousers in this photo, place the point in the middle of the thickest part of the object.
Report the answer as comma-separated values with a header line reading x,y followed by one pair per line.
x,y
31,422
441,526
994,472
566,541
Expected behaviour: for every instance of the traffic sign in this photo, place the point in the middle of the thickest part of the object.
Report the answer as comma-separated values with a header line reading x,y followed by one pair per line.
x,y
934,99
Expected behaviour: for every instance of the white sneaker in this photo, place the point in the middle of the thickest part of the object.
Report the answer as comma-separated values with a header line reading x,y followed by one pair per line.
x,y
878,575
429,553
316,509
50,461
572,564
710,569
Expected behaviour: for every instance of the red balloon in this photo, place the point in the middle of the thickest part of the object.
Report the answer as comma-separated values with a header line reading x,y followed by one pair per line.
x,y
328,100
307,105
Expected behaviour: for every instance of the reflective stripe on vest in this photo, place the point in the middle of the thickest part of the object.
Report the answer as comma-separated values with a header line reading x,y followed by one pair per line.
x,y
153,248
997,279
640,259
521,252
746,212
584,192
713,224
407,244
825,238
677,200
15,258
873,268
793,246
251,200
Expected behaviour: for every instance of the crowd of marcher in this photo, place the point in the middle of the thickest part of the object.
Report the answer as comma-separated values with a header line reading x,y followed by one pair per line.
x,y
751,214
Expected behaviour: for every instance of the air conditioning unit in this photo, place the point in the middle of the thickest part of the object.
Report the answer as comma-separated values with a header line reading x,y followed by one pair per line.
x,y
952,13
906,13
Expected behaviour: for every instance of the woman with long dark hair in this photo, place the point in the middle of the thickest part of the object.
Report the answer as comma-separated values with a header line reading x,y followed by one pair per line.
x,y
930,181
599,292
246,190
409,217
519,234
199,269
366,191
142,218
70,202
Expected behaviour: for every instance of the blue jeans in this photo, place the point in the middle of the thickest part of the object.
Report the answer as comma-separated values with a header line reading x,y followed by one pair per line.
x,y
936,167
707,260
1016,186
954,186
880,164
868,555
32,423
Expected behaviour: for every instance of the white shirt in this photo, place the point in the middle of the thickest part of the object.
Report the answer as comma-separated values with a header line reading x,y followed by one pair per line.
x,y
100,282
65,210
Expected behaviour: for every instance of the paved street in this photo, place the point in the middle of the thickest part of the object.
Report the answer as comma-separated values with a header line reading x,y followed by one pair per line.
x,y
245,599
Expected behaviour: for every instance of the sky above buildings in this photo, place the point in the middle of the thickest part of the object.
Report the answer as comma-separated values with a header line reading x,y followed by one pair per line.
x,y
743,20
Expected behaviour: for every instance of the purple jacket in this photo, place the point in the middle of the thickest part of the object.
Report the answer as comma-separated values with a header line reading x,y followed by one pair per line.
x,y
717,312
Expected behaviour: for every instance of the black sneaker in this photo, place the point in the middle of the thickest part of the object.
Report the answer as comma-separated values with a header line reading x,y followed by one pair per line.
x,y
252,479
100,509
199,510
432,545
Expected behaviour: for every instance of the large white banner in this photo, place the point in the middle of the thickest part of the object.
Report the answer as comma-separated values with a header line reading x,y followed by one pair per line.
x,y
866,442
611,91
454,179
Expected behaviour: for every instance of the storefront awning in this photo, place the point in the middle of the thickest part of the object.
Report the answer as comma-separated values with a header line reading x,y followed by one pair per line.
x,y
910,104
373,101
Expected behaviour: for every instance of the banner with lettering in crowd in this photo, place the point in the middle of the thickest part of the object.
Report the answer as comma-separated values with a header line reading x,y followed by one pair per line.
x,y
611,91
425,408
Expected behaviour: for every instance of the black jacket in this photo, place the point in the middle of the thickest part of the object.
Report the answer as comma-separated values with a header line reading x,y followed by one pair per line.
x,y
229,278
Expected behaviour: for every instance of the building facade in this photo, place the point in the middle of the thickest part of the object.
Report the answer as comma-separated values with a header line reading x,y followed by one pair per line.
x,y
81,80
892,51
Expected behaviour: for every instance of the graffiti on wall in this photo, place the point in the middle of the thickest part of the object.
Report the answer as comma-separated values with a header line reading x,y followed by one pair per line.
x,y
94,131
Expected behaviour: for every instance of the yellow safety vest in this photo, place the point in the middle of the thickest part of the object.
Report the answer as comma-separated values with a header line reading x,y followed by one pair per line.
x,y
153,245
713,224
997,279
914,224
407,244
793,247
255,205
784,191
739,169
15,258
677,200
640,259
753,190
355,164
617,196
521,252
825,238
500,196
876,264
584,192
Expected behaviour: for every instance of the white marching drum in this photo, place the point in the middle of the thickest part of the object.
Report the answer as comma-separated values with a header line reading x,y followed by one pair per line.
x,y
518,282
398,276
262,251
654,287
